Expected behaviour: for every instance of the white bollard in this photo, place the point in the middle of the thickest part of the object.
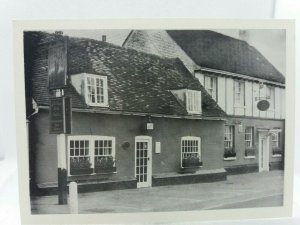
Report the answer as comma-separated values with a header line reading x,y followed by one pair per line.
x,y
73,198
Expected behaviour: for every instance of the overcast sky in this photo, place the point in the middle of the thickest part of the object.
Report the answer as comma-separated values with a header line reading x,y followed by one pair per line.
x,y
271,43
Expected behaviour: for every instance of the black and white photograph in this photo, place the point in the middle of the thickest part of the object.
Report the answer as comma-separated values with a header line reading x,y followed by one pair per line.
x,y
155,120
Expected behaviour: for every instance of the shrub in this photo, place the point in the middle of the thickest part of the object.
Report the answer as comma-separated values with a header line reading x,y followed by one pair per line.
x,y
191,161
80,163
250,152
276,151
229,153
104,162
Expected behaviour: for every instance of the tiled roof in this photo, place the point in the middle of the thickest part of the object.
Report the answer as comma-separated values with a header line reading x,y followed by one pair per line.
x,y
217,51
137,82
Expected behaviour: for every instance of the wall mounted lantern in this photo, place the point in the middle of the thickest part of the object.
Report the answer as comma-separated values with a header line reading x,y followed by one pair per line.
x,y
149,124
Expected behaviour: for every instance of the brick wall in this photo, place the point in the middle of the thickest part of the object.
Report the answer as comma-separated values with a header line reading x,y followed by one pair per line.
x,y
239,138
125,128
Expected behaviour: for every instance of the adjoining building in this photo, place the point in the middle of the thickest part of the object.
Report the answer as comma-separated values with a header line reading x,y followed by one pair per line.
x,y
138,119
241,80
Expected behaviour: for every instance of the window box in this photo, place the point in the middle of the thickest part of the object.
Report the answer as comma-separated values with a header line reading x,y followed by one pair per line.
x,y
276,152
250,152
191,162
80,166
84,171
105,170
229,153
105,164
190,165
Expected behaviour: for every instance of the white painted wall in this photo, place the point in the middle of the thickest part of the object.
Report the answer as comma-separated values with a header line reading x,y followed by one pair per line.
x,y
221,92
248,98
253,93
78,83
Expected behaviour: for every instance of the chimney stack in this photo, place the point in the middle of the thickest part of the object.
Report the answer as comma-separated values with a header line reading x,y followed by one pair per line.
x,y
104,38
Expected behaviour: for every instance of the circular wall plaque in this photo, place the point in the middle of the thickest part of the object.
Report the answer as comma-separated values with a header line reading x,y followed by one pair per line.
x,y
126,145
263,105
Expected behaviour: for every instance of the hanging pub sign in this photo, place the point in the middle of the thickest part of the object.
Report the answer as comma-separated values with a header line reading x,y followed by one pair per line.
x,y
57,66
60,115
263,105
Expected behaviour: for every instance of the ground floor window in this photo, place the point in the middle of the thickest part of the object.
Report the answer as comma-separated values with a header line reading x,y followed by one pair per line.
x,y
229,151
190,151
276,150
91,154
249,142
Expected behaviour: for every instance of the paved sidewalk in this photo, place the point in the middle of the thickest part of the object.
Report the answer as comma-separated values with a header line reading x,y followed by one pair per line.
x,y
239,191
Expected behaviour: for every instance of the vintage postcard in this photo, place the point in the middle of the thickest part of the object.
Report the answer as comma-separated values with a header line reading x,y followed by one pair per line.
x,y
135,121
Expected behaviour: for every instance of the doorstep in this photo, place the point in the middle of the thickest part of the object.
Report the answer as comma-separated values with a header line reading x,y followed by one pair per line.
x,y
200,176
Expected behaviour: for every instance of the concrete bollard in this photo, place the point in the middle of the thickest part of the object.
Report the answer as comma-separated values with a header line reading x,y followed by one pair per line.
x,y
73,198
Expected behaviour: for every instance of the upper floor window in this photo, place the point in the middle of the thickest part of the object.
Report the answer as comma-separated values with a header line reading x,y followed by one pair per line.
x,y
193,102
239,93
96,90
271,97
210,84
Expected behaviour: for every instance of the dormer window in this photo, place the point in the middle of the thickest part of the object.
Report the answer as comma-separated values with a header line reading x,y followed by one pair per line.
x,y
193,102
96,90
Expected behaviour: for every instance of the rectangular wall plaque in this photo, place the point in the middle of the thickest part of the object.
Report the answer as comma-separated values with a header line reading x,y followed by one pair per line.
x,y
60,115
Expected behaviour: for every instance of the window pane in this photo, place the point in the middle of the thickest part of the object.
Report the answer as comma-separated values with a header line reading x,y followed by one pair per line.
x,y
190,148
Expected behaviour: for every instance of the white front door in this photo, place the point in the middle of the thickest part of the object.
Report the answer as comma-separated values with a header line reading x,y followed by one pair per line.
x,y
263,146
143,161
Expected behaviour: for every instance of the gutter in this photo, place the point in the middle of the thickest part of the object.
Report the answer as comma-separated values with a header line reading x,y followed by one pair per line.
x,y
101,111
230,74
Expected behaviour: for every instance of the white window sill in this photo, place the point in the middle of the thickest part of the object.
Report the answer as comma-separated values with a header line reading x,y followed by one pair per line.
x,y
229,158
277,156
90,174
240,107
194,113
98,105
250,157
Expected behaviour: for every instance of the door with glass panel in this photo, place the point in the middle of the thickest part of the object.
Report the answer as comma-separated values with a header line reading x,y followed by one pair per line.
x,y
143,161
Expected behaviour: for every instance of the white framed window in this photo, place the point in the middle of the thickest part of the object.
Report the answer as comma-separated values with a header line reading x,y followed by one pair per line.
x,y
228,137
210,84
275,140
239,93
249,131
229,151
276,150
271,97
193,102
96,90
190,150
90,154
